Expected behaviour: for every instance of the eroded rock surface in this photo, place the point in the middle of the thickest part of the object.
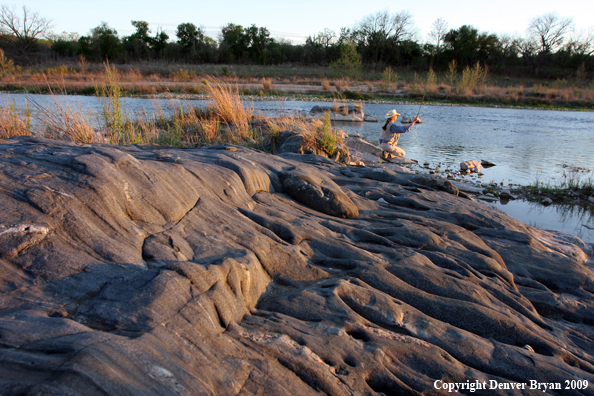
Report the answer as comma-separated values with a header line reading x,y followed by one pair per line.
x,y
128,271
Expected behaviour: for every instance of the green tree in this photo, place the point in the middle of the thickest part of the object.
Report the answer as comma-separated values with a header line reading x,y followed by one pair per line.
x,y
349,64
103,43
189,37
233,42
245,44
160,43
467,46
257,40
139,42
64,44
320,48
378,34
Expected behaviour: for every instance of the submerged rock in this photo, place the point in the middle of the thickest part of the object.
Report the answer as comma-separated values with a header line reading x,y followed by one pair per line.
x,y
133,271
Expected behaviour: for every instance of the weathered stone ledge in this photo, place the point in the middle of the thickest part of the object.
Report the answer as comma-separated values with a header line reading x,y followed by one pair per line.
x,y
228,271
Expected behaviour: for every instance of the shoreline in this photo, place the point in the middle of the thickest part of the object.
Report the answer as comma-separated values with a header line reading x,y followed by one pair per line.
x,y
275,95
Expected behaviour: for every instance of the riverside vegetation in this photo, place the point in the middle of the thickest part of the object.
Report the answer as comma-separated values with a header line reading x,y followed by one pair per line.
x,y
226,119
576,186
473,85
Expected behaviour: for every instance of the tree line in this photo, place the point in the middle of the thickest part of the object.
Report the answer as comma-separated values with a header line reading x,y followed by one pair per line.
x,y
551,48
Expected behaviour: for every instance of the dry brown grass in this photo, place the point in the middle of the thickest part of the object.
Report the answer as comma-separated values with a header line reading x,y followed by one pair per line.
x,y
62,121
341,85
224,101
14,123
266,83
133,76
326,85
183,75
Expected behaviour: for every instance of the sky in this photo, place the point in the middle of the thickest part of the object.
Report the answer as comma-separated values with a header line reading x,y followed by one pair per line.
x,y
296,20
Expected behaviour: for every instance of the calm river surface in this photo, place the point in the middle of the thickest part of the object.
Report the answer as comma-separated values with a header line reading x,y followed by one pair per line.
x,y
525,145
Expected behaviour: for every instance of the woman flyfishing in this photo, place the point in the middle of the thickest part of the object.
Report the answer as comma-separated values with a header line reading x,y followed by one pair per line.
x,y
391,133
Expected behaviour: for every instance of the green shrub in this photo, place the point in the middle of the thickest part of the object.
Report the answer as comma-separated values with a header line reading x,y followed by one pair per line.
x,y
354,95
327,140
389,77
349,64
183,75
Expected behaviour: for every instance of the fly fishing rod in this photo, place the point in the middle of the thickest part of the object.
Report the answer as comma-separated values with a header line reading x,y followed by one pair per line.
x,y
422,99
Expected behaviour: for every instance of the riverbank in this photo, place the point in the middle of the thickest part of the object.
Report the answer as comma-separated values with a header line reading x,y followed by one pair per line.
x,y
277,84
280,94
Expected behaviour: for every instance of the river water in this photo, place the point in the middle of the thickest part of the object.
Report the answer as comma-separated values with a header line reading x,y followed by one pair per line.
x,y
526,145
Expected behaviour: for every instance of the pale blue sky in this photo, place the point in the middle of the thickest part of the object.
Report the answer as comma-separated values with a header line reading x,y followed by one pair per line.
x,y
296,20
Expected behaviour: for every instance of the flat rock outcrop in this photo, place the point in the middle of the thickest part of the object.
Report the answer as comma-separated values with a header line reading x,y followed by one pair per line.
x,y
345,112
138,271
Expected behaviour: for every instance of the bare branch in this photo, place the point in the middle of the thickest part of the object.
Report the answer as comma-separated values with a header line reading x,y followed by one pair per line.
x,y
582,43
439,29
26,28
549,31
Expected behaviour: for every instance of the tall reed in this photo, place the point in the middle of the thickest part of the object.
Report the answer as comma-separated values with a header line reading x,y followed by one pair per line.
x,y
114,118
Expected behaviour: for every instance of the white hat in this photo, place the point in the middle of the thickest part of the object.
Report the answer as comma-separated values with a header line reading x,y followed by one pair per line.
x,y
392,113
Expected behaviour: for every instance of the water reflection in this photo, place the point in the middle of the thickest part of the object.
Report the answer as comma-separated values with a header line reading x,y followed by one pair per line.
x,y
574,219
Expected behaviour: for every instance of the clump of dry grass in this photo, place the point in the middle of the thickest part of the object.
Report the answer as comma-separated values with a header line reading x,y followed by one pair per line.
x,y
209,130
81,61
266,83
326,85
133,76
13,123
61,121
225,102
341,85
183,75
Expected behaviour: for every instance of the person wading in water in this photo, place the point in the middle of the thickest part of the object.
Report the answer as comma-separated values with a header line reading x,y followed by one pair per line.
x,y
391,133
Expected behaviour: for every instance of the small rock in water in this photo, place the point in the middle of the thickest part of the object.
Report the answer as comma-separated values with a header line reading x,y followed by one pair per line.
x,y
472,166
547,201
506,194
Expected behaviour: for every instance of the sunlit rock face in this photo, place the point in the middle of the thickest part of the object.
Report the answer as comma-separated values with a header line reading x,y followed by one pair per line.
x,y
227,271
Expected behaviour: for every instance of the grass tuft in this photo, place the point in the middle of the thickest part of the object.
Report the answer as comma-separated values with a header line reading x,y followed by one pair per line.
x,y
14,123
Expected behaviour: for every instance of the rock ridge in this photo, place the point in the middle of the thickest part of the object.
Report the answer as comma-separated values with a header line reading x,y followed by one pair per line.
x,y
132,270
